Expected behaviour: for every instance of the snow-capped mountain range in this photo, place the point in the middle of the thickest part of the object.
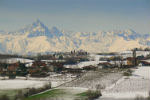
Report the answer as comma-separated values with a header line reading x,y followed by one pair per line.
x,y
38,38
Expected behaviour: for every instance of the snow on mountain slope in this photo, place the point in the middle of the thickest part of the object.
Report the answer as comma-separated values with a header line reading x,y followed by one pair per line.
x,y
36,37
121,44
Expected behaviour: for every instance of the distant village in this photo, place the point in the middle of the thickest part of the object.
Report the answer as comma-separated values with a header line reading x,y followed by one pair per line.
x,y
69,63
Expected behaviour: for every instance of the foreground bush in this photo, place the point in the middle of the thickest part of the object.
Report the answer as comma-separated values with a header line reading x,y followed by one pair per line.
x,y
21,95
142,98
91,95
33,91
48,99
4,97
128,73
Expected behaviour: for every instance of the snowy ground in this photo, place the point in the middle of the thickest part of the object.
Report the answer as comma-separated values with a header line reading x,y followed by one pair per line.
x,y
87,63
83,64
20,84
61,93
148,60
113,85
126,54
91,79
14,60
71,92
129,87
12,87
143,72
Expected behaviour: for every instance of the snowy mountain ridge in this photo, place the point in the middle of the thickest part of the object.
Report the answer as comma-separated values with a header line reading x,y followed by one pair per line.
x,y
38,38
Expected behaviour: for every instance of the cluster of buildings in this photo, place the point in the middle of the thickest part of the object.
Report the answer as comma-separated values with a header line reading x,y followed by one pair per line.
x,y
73,62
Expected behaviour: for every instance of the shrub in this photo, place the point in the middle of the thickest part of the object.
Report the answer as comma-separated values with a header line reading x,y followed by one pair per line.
x,y
142,98
4,97
33,91
99,86
19,95
93,95
12,76
128,72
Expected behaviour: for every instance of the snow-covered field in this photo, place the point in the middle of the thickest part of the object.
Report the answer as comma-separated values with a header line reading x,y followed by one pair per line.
x,y
143,72
148,60
126,54
129,87
113,84
83,64
20,84
88,63
71,92
96,59
91,79
14,60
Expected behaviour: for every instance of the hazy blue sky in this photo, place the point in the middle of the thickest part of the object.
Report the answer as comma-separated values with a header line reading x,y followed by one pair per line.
x,y
77,15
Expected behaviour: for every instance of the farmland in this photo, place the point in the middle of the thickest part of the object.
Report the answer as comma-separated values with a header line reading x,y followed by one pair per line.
x,y
96,76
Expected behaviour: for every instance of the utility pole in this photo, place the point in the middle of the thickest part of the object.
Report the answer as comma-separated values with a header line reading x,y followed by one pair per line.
x,y
134,57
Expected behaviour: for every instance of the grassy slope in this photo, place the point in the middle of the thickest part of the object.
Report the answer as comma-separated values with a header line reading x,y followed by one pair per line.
x,y
10,93
66,94
82,95
49,94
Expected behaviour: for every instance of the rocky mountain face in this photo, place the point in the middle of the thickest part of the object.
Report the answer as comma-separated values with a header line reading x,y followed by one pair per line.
x,y
38,38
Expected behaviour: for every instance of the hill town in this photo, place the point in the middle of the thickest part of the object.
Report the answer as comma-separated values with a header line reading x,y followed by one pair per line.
x,y
88,73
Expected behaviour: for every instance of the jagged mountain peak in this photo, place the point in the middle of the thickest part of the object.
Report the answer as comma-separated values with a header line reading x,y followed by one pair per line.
x,y
129,30
37,28
36,37
38,23
55,31
128,34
